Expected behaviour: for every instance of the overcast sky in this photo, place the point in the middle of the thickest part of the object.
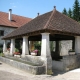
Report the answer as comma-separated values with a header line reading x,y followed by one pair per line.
x,y
30,8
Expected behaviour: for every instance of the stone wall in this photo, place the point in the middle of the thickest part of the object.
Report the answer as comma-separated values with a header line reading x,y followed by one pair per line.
x,y
67,63
23,66
65,46
33,59
6,30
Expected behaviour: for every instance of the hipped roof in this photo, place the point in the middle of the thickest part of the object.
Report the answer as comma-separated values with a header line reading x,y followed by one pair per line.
x,y
53,20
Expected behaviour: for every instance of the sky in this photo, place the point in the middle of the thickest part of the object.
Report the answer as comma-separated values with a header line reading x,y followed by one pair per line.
x,y
30,8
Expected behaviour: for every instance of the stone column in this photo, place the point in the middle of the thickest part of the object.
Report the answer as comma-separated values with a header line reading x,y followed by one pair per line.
x,y
45,53
25,50
77,44
4,46
12,47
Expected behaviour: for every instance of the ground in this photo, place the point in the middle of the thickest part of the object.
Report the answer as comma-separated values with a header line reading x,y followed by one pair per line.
x,y
10,73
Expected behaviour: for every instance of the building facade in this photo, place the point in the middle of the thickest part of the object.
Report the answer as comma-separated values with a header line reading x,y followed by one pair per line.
x,y
9,22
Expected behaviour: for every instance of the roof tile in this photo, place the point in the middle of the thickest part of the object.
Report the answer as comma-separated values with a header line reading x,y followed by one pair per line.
x,y
52,20
17,21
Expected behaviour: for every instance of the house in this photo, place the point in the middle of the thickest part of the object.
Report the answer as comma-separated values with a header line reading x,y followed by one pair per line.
x,y
9,22
51,26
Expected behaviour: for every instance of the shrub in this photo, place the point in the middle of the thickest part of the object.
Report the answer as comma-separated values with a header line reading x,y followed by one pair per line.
x,y
16,50
37,45
1,50
1,54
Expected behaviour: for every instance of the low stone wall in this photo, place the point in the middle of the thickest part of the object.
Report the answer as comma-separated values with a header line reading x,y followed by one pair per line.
x,y
28,68
67,63
33,59
58,65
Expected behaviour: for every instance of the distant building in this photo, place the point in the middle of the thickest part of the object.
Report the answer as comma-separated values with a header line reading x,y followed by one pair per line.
x,y
9,22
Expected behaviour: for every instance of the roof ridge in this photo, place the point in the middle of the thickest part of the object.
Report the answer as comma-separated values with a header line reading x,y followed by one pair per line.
x,y
49,19
15,15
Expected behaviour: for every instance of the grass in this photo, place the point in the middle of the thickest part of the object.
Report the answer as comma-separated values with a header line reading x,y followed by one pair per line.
x,y
1,54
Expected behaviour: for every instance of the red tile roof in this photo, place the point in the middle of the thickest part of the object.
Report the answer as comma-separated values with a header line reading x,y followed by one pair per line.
x,y
17,21
54,21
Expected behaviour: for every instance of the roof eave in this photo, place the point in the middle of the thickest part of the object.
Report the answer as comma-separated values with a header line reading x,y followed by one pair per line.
x,y
10,26
42,31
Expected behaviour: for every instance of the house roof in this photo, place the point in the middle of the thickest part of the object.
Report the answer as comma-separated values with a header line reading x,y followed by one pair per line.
x,y
17,21
53,20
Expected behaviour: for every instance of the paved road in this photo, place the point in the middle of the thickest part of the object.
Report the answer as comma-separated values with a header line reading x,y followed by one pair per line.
x,y
10,73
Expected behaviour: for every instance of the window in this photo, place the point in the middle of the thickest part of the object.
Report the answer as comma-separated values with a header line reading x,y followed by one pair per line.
x,y
1,33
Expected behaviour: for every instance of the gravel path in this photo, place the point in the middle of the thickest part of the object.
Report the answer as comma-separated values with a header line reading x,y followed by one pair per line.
x,y
10,73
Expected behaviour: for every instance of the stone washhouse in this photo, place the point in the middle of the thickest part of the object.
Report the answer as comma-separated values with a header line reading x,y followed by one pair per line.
x,y
51,26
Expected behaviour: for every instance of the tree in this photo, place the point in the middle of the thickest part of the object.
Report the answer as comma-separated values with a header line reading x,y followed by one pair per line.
x,y
64,11
70,13
76,11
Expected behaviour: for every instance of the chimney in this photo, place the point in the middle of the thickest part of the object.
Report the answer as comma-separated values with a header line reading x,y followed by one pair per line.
x,y
10,14
54,7
38,14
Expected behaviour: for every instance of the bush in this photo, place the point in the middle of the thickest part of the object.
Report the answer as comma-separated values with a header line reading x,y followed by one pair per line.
x,y
1,54
1,46
17,44
37,45
16,50
1,50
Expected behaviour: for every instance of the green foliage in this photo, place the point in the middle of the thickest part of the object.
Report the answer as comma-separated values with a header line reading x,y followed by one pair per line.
x,y
64,11
17,44
51,45
76,10
70,13
1,50
1,54
16,50
75,13
37,45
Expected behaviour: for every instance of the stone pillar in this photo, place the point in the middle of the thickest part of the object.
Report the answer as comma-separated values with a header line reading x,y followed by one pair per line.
x,y
77,44
25,50
4,46
12,47
45,53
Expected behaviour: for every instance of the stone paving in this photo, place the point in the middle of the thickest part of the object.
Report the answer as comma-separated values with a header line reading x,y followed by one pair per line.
x,y
10,73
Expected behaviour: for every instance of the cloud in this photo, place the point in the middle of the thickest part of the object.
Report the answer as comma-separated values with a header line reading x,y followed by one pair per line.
x,y
11,3
14,6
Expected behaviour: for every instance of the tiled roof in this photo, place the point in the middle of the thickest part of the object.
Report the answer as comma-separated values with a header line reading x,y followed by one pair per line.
x,y
53,20
17,21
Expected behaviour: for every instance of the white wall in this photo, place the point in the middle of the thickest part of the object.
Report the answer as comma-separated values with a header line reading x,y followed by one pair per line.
x,y
7,30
